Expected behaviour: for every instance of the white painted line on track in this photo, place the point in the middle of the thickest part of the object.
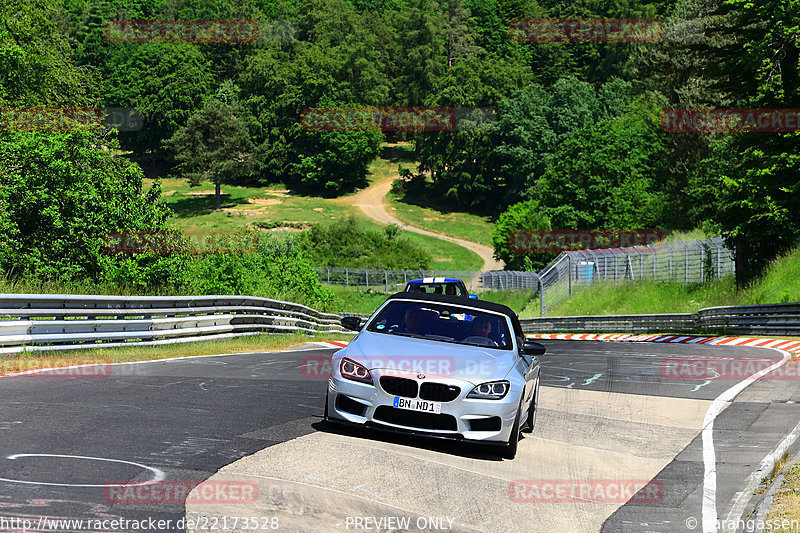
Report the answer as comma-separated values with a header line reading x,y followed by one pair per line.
x,y
158,475
709,454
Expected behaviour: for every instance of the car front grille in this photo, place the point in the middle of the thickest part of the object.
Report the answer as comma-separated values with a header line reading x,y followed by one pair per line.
x,y
396,386
413,419
438,392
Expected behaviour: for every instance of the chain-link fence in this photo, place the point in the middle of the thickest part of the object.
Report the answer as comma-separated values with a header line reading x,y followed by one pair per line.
x,y
389,281
694,261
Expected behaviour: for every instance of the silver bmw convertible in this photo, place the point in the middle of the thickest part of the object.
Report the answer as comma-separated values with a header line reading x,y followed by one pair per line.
x,y
439,366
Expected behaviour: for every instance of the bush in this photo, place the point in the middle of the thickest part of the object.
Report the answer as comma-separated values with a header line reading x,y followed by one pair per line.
x,y
279,270
344,244
330,163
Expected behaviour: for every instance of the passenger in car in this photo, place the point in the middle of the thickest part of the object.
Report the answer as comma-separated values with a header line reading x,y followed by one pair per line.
x,y
413,321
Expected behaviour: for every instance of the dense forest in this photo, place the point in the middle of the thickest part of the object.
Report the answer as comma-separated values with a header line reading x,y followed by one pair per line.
x,y
570,137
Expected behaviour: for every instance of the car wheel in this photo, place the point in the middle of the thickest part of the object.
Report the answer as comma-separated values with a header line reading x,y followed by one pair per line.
x,y
509,451
528,428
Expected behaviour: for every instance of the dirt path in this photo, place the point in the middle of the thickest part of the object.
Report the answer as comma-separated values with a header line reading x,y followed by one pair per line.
x,y
370,201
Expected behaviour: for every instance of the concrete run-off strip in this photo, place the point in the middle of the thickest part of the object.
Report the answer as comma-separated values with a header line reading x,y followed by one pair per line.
x,y
319,481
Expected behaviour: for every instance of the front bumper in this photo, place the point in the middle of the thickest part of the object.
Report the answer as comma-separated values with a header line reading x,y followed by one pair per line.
x,y
484,421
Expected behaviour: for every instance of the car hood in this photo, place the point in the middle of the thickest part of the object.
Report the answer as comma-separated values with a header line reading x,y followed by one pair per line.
x,y
397,354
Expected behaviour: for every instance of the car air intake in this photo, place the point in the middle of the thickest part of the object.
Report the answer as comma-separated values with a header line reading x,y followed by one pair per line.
x,y
438,392
396,386
485,424
348,405
413,419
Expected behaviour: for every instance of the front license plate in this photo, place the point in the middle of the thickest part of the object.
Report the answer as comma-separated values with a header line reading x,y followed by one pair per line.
x,y
413,404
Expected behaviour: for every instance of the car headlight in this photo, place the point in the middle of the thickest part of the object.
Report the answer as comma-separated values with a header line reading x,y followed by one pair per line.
x,y
492,390
355,371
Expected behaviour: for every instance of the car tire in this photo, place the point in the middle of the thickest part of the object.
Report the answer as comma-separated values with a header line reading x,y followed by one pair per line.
x,y
327,422
534,407
509,451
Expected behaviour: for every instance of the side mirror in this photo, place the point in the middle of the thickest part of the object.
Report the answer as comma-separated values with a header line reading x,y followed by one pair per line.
x,y
533,348
473,296
351,322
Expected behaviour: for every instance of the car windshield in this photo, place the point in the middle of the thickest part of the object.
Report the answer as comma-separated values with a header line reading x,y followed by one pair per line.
x,y
451,288
443,322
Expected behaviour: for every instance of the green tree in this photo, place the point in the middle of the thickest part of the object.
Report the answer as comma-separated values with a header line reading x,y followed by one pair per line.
x,y
522,216
214,144
60,198
754,52
36,61
608,175
420,29
166,83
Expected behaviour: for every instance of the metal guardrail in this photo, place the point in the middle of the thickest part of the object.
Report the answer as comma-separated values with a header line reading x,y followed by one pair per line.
x,y
45,322
49,322
769,319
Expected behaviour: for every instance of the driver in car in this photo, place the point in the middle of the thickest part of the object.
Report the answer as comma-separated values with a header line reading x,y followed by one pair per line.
x,y
413,320
483,328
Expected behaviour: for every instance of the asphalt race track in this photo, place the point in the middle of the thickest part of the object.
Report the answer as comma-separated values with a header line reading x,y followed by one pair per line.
x,y
608,419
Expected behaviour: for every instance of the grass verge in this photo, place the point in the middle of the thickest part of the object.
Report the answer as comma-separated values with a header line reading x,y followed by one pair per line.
x,y
785,509
777,285
438,218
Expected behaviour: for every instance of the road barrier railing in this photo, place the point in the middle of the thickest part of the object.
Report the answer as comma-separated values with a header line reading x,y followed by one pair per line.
x,y
769,319
44,322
